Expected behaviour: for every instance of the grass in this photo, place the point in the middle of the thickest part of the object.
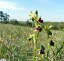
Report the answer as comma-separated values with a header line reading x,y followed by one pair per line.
x,y
15,46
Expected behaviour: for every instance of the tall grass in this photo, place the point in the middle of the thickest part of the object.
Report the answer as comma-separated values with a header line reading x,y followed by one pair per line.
x,y
14,44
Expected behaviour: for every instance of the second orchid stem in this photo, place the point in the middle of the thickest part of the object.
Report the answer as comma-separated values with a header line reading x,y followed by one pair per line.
x,y
34,55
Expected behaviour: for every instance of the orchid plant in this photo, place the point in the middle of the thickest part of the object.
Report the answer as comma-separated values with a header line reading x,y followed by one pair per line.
x,y
38,28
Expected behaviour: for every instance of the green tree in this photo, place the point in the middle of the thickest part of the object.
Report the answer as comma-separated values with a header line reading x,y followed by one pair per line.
x,y
6,18
1,15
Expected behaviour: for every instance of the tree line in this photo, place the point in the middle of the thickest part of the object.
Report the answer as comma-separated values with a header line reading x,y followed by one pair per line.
x,y
4,18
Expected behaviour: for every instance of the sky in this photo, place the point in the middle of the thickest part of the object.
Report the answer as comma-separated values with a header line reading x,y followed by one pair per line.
x,y
49,10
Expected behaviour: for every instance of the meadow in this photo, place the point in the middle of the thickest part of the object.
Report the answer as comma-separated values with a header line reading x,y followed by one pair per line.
x,y
15,46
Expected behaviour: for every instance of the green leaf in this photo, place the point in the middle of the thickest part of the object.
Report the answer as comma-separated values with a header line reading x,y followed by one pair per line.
x,y
7,48
59,50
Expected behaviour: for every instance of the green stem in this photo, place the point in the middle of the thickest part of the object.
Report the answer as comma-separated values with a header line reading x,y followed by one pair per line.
x,y
0,49
48,50
34,56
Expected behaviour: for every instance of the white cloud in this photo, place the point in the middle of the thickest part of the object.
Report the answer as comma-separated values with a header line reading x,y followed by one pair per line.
x,y
9,6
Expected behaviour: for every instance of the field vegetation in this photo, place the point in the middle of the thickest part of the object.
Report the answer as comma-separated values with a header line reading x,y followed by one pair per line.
x,y
15,46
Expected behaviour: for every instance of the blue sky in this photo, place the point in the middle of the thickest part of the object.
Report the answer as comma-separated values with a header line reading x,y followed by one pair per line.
x,y
49,10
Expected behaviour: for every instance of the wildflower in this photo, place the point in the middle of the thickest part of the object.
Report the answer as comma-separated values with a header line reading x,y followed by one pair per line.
x,y
40,20
42,49
39,29
51,43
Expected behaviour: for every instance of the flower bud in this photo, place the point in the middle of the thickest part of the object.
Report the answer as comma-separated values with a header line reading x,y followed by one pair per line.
x,y
32,19
42,52
36,12
30,39
42,47
51,43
